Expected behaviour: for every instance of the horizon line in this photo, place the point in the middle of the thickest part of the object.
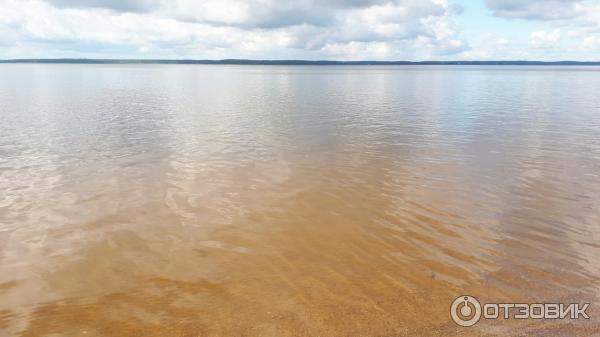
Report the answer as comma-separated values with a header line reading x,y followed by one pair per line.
x,y
286,61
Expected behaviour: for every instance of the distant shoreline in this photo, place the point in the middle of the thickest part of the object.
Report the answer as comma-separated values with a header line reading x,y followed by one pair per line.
x,y
298,62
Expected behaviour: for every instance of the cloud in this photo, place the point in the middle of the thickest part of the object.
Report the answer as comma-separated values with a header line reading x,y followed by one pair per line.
x,y
502,42
534,9
591,43
543,39
351,3
322,24
580,19
250,14
117,5
312,29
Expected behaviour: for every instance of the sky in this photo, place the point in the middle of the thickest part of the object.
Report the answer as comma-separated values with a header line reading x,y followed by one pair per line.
x,y
413,30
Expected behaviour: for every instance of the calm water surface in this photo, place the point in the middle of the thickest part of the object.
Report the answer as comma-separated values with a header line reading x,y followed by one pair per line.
x,y
156,200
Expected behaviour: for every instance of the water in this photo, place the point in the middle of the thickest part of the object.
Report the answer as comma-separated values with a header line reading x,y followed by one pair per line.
x,y
175,200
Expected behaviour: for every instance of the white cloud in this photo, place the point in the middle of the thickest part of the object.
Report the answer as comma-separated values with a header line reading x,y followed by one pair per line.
x,y
358,50
300,29
534,9
544,39
580,19
117,5
591,42
502,42
391,29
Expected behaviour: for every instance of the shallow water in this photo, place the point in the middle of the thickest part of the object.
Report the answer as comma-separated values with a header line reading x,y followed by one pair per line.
x,y
175,200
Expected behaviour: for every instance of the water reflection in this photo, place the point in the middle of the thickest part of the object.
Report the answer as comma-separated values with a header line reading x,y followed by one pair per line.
x,y
226,200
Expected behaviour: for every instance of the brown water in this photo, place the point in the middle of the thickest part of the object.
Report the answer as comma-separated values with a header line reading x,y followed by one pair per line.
x,y
149,200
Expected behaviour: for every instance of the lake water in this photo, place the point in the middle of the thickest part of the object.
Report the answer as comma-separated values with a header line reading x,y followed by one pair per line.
x,y
176,200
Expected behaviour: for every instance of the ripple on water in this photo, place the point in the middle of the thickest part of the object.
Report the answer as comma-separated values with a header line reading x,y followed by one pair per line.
x,y
216,200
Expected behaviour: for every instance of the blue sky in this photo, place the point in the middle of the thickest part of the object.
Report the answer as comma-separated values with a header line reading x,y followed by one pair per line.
x,y
302,29
494,34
